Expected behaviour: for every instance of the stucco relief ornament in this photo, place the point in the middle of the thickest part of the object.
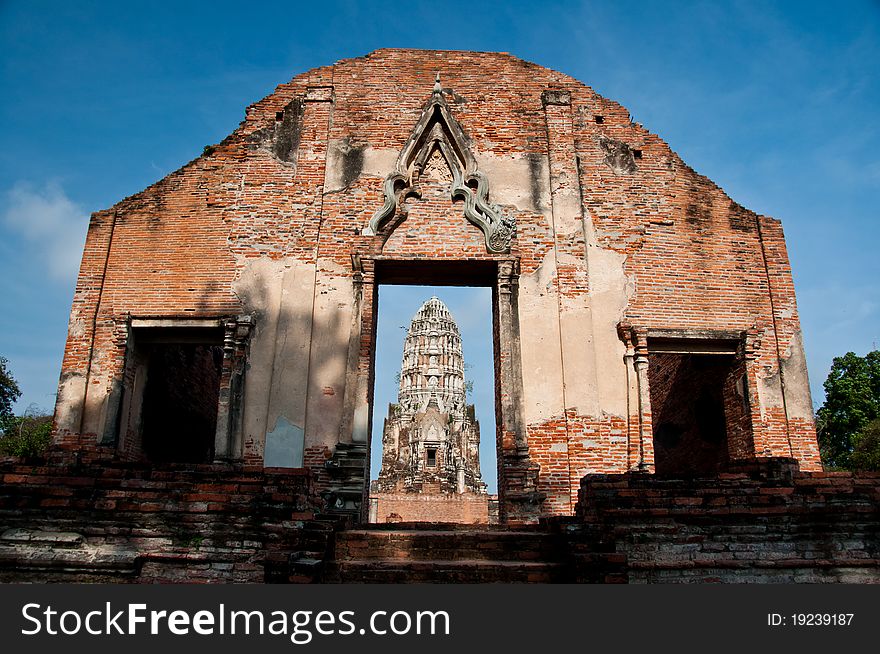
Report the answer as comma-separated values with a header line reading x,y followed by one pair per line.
x,y
438,132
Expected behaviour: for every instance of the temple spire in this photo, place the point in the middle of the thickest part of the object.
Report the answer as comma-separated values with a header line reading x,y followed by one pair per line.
x,y
431,438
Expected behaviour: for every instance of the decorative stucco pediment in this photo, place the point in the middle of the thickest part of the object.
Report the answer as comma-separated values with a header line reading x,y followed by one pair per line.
x,y
437,135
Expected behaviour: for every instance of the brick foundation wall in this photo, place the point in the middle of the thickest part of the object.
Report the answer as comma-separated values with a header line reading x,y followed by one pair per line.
x,y
123,522
570,447
167,523
765,523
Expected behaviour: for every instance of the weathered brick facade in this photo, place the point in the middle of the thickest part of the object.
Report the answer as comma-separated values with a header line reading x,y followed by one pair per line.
x,y
269,245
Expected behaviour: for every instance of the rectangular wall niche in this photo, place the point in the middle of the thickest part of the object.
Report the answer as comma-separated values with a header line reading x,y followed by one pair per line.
x,y
172,391
697,406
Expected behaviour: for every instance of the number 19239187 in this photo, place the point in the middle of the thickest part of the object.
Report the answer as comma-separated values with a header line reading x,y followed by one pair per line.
x,y
810,619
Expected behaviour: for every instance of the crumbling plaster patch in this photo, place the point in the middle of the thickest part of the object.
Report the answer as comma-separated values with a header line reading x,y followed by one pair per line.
x,y
376,162
279,294
345,163
328,358
798,400
539,343
611,290
511,180
68,406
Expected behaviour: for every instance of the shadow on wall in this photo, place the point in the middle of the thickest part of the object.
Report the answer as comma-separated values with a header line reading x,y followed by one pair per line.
x,y
296,357
298,361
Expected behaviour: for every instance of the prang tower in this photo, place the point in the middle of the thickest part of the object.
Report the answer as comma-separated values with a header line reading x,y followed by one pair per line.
x,y
431,438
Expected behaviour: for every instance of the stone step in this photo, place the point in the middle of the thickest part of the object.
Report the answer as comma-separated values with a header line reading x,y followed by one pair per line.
x,y
444,572
65,562
453,526
441,545
22,536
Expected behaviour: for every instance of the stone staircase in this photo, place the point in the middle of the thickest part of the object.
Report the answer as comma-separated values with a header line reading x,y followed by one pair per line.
x,y
38,556
444,553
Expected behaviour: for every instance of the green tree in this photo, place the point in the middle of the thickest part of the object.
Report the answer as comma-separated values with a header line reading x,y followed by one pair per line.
x,y
852,401
9,392
866,448
27,435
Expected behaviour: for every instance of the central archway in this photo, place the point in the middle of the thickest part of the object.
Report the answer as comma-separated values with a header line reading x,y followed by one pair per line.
x,y
516,475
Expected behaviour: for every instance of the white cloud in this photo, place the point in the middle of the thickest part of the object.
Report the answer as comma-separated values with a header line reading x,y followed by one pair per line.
x,y
50,223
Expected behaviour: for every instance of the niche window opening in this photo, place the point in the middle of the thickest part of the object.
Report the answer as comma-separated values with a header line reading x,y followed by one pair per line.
x,y
700,413
181,390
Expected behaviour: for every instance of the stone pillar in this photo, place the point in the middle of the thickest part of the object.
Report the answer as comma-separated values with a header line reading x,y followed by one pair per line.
x,y
789,429
739,403
576,329
71,400
518,497
633,412
751,352
352,375
228,437
510,359
640,363
366,332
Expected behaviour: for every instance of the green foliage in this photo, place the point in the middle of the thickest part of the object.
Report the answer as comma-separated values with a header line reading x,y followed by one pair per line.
x,y
852,401
866,448
469,387
208,150
27,435
9,391
195,542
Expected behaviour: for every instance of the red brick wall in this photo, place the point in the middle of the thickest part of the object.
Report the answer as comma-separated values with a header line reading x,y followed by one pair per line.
x,y
689,409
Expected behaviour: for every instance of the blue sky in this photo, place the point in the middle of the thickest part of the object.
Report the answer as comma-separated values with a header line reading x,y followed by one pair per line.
x,y
775,101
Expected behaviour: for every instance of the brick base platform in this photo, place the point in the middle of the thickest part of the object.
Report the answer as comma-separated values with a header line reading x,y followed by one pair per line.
x,y
468,508
763,522
128,522
444,553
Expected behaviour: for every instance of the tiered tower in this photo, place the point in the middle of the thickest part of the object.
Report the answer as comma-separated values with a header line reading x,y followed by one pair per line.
x,y
431,438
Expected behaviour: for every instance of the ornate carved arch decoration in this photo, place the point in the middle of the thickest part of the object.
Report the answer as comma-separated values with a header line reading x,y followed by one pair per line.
x,y
437,130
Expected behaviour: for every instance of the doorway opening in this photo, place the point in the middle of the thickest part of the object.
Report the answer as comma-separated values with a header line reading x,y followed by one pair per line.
x,y
434,434
172,386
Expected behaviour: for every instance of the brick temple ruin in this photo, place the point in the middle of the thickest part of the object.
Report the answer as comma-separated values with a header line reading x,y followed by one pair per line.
x,y
216,394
